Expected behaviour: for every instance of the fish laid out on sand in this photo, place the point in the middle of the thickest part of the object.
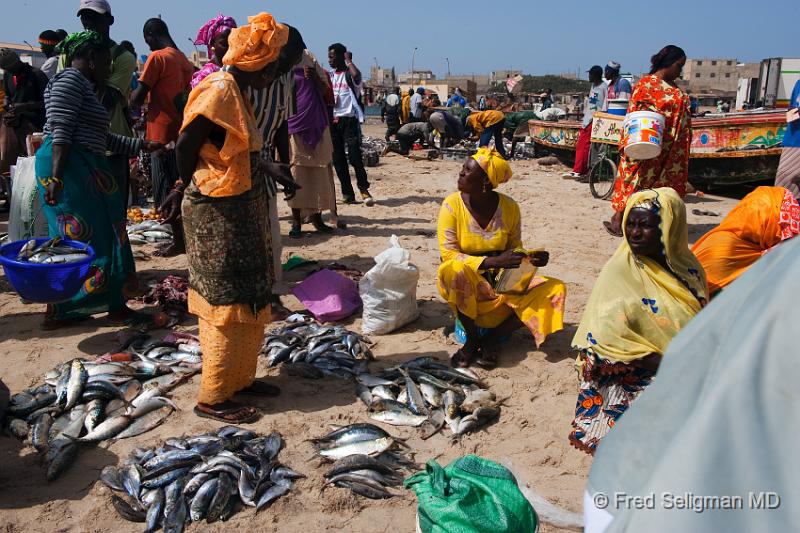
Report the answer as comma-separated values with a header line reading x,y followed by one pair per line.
x,y
115,397
202,477
365,460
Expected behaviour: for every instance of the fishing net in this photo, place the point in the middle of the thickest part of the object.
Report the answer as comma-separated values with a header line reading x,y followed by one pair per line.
x,y
471,494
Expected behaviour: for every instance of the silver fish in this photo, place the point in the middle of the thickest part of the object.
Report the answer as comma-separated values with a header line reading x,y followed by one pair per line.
x,y
431,394
202,500
107,429
155,511
146,423
77,380
415,400
370,447
373,381
479,418
175,510
382,391
398,418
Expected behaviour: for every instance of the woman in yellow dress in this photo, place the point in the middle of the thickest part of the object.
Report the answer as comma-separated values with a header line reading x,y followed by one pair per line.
x,y
479,232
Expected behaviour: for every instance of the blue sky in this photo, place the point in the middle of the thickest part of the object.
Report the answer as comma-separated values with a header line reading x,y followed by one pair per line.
x,y
474,35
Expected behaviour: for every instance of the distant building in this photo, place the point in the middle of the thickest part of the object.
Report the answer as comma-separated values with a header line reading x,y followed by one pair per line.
x,y
31,55
716,74
198,58
416,76
500,76
481,81
382,77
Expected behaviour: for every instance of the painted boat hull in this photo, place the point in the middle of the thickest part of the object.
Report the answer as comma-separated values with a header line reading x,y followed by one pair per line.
x,y
725,150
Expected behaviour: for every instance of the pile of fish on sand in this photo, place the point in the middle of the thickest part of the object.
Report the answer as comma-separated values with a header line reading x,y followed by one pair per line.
x,y
149,232
365,460
53,251
312,350
428,394
114,397
204,477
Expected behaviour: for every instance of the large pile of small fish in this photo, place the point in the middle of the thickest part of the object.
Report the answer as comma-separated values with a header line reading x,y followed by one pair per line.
x,y
116,397
311,350
364,460
427,393
149,231
203,477
51,252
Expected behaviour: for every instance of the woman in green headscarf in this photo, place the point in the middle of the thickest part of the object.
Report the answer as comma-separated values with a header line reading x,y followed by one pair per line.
x,y
82,199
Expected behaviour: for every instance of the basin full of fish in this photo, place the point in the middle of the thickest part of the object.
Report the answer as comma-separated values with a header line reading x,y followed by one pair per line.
x,y
312,350
203,477
428,394
149,232
365,460
54,251
86,402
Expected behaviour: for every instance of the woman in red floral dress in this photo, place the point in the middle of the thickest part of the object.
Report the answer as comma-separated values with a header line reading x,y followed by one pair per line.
x,y
657,92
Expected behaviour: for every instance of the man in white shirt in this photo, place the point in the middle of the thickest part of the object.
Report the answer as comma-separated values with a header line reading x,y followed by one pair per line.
x,y
416,105
48,40
348,114
597,101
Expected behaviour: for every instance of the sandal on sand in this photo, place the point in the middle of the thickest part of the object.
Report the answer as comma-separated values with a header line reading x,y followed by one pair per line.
x,y
487,361
611,230
259,388
295,232
234,415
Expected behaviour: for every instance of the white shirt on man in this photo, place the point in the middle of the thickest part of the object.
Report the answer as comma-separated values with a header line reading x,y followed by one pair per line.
x,y
345,102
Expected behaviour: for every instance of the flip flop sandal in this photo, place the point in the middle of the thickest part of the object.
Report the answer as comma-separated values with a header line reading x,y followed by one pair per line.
x,y
295,233
486,362
259,388
607,225
323,228
226,417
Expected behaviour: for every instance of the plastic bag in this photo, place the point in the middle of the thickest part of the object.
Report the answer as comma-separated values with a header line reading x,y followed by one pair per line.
x,y
471,494
26,220
328,295
389,291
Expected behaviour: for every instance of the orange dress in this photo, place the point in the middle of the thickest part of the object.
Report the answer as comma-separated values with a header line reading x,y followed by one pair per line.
x,y
671,167
764,218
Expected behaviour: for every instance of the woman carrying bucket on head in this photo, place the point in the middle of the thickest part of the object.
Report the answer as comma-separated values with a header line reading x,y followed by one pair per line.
x,y
655,94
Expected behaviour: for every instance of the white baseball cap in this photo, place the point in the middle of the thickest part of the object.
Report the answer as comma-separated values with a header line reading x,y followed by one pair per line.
x,y
98,6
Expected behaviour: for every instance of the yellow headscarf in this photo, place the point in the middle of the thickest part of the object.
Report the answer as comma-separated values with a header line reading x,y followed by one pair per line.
x,y
496,167
257,44
637,306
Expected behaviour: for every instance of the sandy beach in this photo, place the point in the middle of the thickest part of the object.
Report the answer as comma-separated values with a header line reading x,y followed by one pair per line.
x,y
559,215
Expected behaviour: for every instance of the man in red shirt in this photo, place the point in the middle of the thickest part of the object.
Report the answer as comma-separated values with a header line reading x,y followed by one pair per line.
x,y
165,78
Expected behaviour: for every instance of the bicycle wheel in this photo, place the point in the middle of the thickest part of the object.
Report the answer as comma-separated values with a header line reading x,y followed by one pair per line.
x,y
601,178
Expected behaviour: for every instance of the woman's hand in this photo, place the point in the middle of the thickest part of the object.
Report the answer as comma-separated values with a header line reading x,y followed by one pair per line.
x,y
153,146
282,175
172,205
540,258
508,259
51,191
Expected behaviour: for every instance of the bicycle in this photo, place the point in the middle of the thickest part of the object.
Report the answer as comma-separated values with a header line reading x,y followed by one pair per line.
x,y
604,171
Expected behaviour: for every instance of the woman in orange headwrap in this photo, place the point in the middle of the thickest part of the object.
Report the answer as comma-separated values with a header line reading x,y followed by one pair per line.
x,y
223,199
763,219
480,231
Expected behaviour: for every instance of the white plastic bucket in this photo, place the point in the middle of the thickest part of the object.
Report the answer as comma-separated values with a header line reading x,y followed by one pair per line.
x,y
618,107
644,131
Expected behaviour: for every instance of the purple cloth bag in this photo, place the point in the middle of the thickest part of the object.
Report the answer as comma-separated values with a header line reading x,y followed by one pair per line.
x,y
328,295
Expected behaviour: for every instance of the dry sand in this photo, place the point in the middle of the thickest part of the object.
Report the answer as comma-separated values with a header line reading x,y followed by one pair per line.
x,y
541,384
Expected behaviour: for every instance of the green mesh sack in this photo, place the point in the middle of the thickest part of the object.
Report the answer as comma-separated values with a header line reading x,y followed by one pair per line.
x,y
471,495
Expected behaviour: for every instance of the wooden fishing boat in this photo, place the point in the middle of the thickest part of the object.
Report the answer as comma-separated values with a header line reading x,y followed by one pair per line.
x,y
727,149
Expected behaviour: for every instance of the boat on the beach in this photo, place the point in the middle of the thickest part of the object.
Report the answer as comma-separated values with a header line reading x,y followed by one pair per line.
x,y
726,149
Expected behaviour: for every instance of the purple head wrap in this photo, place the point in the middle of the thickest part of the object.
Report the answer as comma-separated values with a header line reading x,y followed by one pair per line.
x,y
211,29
